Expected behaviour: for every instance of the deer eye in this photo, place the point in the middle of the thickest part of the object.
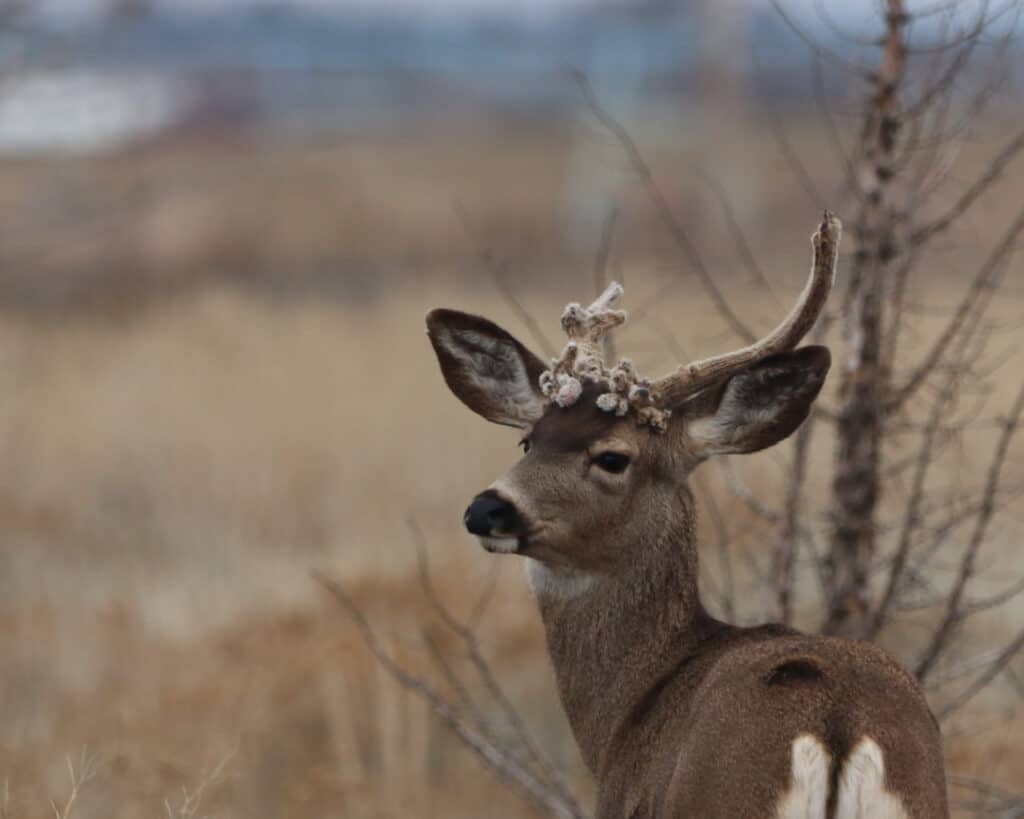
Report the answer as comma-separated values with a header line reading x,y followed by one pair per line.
x,y
525,444
614,462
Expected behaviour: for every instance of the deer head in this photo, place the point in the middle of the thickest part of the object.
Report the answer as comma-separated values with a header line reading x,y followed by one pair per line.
x,y
607,453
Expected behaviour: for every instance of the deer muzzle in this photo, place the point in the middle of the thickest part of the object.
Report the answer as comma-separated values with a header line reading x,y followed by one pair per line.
x,y
496,521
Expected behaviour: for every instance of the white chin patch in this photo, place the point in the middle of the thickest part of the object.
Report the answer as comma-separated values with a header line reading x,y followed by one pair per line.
x,y
500,545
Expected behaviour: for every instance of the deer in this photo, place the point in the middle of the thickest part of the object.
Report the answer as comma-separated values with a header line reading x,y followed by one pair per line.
x,y
675,713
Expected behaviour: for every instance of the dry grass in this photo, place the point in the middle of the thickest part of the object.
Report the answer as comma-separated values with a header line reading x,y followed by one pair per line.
x,y
173,473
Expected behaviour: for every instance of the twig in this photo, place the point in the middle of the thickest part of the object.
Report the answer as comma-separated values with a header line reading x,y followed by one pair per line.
x,y
912,517
785,551
998,664
982,283
724,553
954,614
541,794
79,778
743,248
854,68
971,195
483,668
499,274
661,205
743,493
791,156
190,802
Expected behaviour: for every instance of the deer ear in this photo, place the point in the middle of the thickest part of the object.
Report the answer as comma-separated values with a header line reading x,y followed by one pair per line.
x,y
760,405
487,368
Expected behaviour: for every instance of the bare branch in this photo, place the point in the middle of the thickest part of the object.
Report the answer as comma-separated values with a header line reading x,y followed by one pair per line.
x,y
912,517
500,276
541,794
954,613
992,173
661,205
993,601
483,668
975,298
832,130
78,777
853,68
792,157
739,237
723,551
983,680
743,492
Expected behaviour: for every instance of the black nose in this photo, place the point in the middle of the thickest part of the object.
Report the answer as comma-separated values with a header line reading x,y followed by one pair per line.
x,y
490,514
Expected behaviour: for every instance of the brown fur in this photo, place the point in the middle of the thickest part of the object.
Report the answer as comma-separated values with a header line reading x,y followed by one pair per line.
x,y
676,713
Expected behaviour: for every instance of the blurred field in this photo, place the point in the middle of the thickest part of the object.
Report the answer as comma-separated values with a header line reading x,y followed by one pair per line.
x,y
215,379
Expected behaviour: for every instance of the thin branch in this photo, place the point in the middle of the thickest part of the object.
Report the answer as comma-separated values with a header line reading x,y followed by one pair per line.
x,y
833,25
993,601
661,205
192,800
973,193
483,668
954,615
912,517
498,759
983,282
785,552
983,680
724,553
854,68
743,248
79,778
743,493
832,129
500,276
796,164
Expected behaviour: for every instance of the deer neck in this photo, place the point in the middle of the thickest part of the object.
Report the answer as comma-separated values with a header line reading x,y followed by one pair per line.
x,y
612,640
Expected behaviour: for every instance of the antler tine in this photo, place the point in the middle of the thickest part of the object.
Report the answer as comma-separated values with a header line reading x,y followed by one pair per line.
x,y
691,378
581,360
588,324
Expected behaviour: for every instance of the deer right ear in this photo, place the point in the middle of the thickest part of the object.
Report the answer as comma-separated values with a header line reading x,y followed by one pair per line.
x,y
487,368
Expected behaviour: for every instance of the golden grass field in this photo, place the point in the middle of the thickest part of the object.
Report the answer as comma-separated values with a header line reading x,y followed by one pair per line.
x,y
192,421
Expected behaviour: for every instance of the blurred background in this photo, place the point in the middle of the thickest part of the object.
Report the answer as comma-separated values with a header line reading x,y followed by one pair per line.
x,y
222,225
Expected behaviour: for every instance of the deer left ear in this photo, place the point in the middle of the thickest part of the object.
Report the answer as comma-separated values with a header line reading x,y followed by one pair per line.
x,y
487,368
760,406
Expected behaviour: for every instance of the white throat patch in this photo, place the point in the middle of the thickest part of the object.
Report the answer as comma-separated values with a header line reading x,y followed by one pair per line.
x,y
558,584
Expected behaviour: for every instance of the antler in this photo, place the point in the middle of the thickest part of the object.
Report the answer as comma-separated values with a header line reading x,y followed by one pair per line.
x,y
581,361
585,328
692,378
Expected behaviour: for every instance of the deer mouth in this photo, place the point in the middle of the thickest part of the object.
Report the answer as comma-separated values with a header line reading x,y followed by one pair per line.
x,y
504,544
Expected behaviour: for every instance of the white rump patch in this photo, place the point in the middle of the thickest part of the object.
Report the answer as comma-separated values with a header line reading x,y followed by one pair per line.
x,y
808,786
862,793
497,370
560,584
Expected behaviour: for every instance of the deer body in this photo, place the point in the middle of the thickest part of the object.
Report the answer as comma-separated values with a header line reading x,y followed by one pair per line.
x,y
677,714
693,717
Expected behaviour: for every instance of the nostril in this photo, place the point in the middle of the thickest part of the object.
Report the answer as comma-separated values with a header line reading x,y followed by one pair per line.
x,y
499,517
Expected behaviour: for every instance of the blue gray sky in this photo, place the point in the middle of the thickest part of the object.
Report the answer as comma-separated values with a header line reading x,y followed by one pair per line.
x,y
77,9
